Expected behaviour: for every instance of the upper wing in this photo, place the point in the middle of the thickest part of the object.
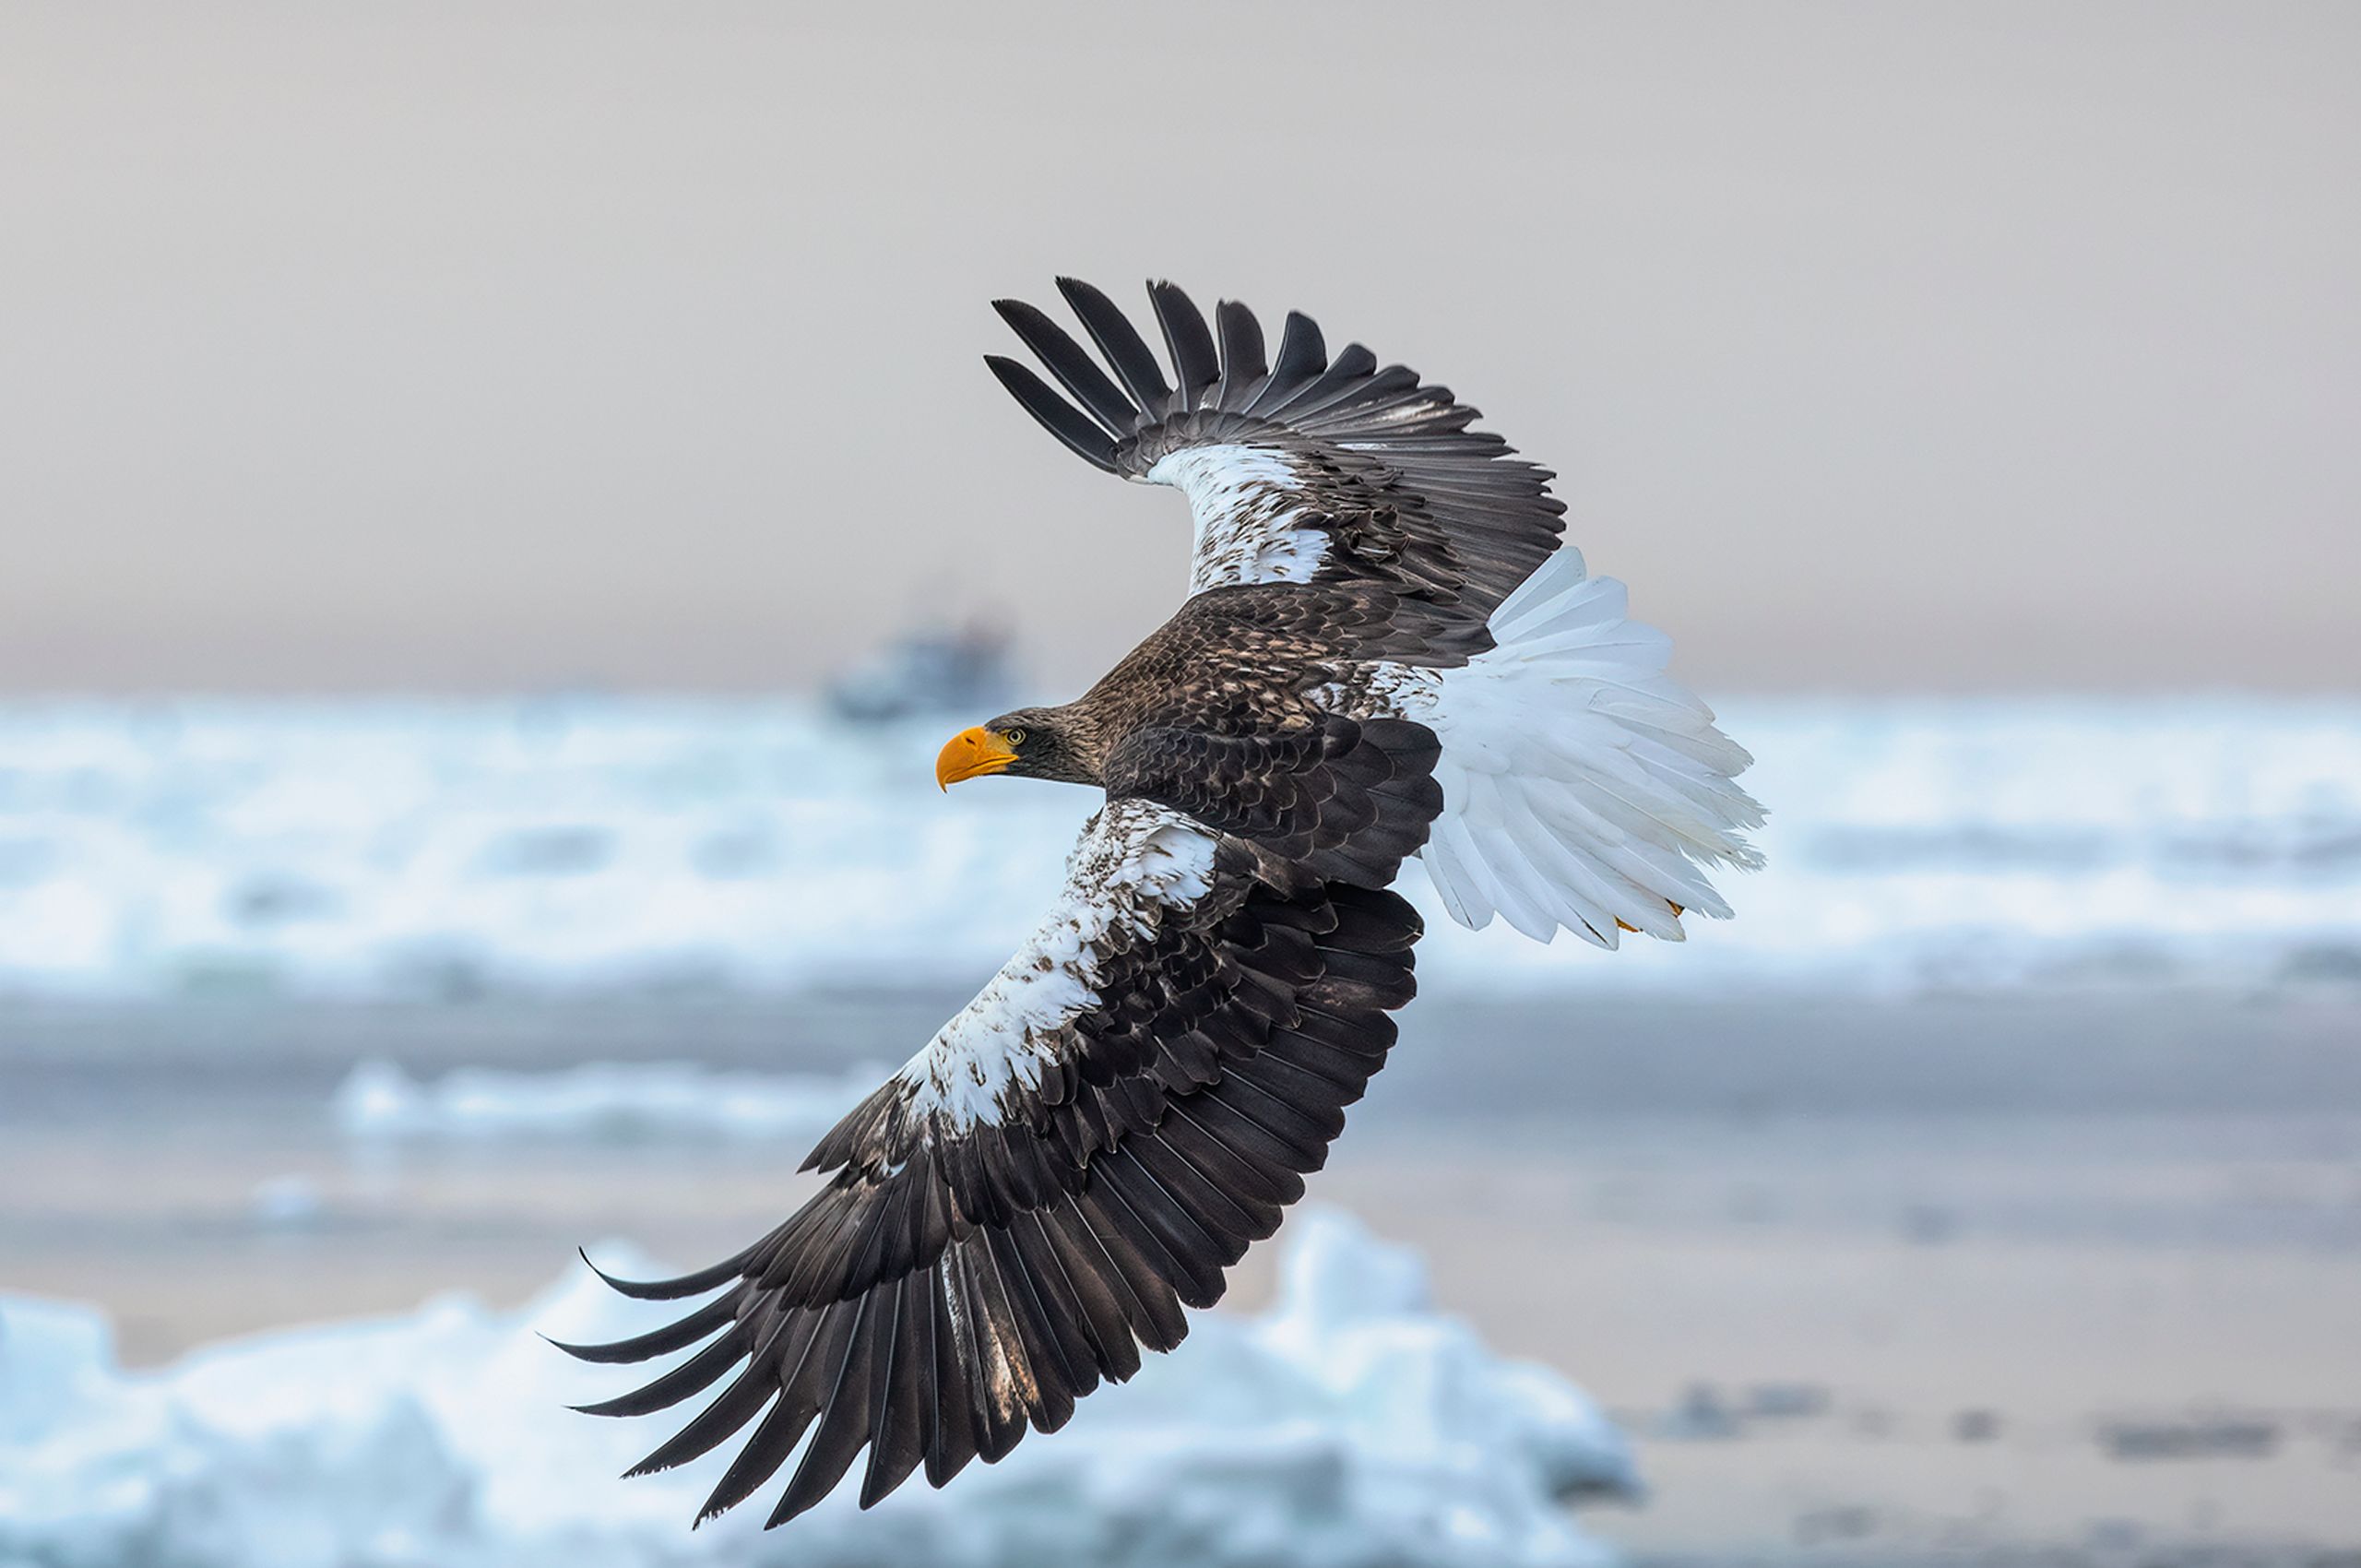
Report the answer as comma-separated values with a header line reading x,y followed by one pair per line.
x,y
1296,470
1084,1149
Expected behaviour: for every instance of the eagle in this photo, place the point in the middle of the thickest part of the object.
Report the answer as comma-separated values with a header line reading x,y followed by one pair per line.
x,y
1385,653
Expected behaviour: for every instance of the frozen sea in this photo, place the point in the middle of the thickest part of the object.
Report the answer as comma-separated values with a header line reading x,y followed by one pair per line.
x,y
567,845
1989,1188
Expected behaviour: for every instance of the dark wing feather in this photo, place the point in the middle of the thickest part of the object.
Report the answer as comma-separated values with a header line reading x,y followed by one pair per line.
x,y
1058,416
1381,468
1302,356
1243,369
1075,371
965,1274
1121,342
1194,365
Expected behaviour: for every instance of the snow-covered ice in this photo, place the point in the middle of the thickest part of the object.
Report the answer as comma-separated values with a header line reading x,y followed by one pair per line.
x,y
377,1100
391,849
1351,1424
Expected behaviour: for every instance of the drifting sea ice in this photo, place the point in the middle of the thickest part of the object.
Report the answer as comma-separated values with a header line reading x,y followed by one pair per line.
x,y
611,1099
602,846
1348,1425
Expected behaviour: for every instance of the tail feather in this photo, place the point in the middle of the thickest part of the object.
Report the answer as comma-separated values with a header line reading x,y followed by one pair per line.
x,y
1561,861
1538,600
1661,869
1692,799
1584,787
1600,653
1458,901
1522,891
1708,747
1455,867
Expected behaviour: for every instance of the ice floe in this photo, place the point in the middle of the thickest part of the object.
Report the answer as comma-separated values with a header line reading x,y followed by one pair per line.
x,y
1351,1424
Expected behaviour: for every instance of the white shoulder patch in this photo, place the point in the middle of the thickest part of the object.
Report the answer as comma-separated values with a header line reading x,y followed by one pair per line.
x,y
1134,862
1245,502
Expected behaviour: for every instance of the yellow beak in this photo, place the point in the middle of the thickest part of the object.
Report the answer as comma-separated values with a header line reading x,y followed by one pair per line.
x,y
971,753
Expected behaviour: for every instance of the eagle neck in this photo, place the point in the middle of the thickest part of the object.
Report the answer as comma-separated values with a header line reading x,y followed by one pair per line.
x,y
1089,727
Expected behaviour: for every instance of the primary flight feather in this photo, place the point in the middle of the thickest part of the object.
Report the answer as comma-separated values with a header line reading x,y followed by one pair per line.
x,y
1384,653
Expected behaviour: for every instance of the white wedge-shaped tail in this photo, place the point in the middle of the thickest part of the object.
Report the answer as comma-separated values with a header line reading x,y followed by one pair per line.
x,y
1582,786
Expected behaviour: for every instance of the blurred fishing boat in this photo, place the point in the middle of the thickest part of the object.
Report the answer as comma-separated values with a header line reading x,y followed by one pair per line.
x,y
965,671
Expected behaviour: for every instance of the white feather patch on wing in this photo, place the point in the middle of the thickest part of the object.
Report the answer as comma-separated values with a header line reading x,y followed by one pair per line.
x,y
1246,502
1135,863
1582,786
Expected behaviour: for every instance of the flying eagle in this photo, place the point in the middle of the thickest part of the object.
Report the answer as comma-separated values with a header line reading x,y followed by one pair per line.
x,y
1384,653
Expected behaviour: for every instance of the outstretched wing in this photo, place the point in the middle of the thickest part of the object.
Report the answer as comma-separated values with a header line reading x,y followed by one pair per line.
x,y
1080,1153
1296,469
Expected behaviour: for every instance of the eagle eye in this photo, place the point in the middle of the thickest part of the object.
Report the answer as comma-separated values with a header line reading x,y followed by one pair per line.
x,y
1013,737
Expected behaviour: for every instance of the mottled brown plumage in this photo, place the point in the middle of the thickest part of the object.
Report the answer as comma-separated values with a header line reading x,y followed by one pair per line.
x,y
1242,661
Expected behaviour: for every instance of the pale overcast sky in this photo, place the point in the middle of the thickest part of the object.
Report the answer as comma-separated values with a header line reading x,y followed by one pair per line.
x,y
1880,347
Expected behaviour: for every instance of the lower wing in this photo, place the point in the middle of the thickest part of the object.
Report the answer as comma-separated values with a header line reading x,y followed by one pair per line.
x,y
1080,1152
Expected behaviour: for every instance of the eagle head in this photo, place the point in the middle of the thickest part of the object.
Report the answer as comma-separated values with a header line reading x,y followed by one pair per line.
x,y
1032,742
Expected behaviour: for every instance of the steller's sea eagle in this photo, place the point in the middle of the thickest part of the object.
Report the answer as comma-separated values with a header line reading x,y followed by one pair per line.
x,y
1384,653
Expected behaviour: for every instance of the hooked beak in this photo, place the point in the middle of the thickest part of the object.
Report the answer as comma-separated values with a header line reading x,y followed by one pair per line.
x,y
971,753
